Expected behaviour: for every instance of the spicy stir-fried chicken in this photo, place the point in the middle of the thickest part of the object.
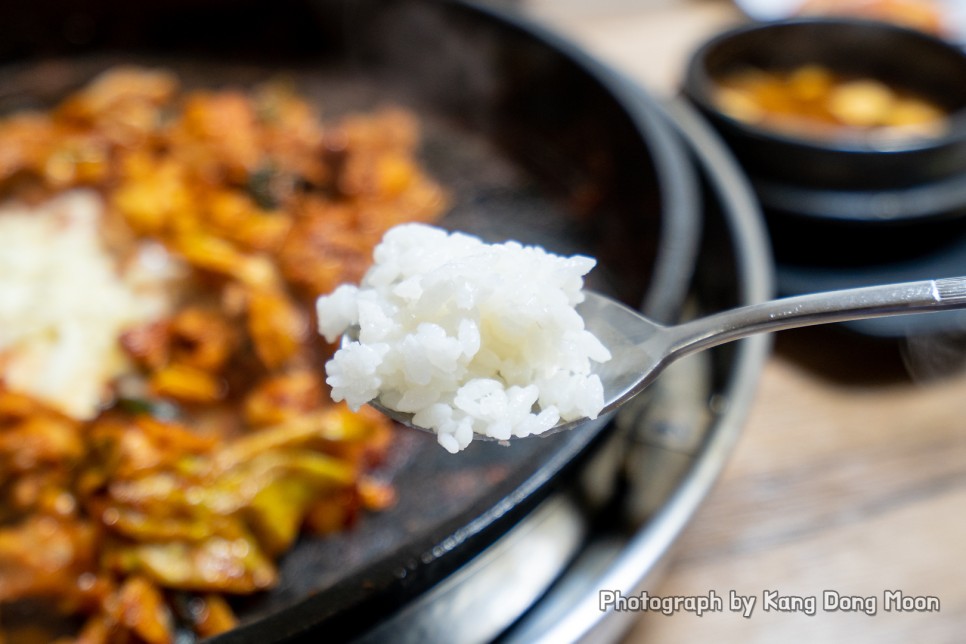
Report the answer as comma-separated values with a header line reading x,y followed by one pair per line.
x,y
190,440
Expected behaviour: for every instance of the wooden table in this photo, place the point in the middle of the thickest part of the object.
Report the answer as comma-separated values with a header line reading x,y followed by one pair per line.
x,y
850,476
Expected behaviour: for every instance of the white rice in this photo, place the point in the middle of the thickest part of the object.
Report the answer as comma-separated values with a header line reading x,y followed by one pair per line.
x,y
470,338
64,300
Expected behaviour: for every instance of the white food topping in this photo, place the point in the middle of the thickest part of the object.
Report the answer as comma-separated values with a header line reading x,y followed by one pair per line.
x,y
64,301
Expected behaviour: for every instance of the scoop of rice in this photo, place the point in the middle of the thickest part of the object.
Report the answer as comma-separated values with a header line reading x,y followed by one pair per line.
x,y
471,338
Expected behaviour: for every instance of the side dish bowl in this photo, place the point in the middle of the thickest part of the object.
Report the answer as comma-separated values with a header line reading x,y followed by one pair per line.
x,y
855,177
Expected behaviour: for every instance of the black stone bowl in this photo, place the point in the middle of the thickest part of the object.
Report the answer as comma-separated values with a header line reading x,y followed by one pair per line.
x,y
854,179
860,210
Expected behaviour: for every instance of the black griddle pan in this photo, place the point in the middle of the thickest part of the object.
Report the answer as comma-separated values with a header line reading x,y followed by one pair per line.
x,y
534,140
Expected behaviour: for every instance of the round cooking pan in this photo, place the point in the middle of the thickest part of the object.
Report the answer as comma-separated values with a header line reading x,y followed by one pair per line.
x,y
534,141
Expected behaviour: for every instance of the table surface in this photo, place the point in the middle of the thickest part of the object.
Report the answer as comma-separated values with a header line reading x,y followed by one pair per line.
x,y
850,475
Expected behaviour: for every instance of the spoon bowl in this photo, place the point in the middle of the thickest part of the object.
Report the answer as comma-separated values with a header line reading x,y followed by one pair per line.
x,y
641,348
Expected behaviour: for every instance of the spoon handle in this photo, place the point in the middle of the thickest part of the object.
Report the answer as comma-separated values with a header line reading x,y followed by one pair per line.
x,y
819,308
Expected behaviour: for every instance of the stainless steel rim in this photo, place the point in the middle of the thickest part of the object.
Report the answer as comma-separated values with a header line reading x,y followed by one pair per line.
x,y
635,564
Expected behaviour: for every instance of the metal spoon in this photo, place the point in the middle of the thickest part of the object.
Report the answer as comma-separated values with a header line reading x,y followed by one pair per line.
x,y
642,349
